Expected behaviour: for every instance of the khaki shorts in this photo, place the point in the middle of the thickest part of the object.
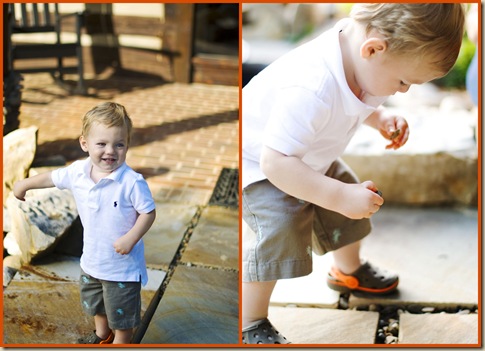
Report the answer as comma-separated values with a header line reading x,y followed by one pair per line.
x,y
119,301
280,231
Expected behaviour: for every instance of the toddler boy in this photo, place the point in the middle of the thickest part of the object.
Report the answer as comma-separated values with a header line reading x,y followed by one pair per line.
x,y
299,114
116,209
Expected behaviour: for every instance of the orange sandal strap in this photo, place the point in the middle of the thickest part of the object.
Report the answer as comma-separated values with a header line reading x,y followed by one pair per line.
x,y
349,281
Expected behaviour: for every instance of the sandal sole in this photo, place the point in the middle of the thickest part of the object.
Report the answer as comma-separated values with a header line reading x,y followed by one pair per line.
x,y
340,286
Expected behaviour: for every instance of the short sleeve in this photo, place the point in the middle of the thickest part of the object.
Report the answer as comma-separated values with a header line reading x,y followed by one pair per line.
x,y
61,178
141,196
294,120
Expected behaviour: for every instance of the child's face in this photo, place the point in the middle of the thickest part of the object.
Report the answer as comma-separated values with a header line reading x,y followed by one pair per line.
x,y
385,74
107,147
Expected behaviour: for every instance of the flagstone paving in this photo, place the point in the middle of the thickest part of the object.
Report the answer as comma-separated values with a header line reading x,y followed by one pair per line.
x,y
436,254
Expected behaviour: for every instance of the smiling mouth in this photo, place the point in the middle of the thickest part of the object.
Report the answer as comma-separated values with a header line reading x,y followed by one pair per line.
x,y
109,160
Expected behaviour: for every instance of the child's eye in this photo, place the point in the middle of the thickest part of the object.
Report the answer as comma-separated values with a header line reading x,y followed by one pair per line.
x,y
120,146
101,144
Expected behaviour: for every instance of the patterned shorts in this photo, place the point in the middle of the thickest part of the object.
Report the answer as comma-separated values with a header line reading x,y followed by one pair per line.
x,y
119,301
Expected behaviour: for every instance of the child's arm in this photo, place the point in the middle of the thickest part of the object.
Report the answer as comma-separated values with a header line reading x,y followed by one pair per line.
x,y
295,178
387,124
38,181
124,244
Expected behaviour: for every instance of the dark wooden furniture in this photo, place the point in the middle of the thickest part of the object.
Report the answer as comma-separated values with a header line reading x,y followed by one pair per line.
x,y
45,18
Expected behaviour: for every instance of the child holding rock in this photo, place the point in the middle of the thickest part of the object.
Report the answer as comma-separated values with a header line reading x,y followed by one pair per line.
x,y
116,209
299,114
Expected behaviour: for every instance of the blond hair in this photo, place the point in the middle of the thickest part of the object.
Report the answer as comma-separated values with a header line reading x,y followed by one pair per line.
x,y
431,29
110,114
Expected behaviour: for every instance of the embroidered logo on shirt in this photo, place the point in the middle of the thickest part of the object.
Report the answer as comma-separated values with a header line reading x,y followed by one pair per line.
x,y
116,203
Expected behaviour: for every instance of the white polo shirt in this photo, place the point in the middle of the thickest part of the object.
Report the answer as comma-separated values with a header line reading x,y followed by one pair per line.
x,y
301,105
108,210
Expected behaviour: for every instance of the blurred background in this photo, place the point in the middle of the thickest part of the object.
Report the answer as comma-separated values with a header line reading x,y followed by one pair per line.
x,y
443,115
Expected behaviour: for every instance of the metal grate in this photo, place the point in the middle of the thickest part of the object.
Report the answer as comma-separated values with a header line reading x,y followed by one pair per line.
x,y
226,191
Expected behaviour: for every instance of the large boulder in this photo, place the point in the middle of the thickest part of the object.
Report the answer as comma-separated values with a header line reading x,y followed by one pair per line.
x,y
18,153
38,222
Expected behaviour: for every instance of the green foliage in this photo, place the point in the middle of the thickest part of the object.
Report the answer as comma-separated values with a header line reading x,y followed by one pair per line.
x,y
456,78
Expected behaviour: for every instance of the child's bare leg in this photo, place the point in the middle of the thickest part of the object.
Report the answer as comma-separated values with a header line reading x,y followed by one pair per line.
x,y
102,327
123,336
255,301
347,258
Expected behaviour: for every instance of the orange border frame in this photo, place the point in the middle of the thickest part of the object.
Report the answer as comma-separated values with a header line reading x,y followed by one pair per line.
x,y
480,243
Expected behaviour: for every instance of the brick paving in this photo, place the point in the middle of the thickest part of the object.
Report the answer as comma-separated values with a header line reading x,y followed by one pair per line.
x,y
184,134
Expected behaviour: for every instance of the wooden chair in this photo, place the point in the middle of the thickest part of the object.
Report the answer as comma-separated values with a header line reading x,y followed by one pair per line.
x,y
45,18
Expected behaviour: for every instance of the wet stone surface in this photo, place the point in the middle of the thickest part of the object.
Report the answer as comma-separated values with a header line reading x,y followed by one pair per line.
x,y
200,306
215,240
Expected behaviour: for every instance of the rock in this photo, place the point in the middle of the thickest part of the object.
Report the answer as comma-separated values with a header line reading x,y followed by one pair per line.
x,y
39,222
391,339
6,220
11,245
11,264
18,153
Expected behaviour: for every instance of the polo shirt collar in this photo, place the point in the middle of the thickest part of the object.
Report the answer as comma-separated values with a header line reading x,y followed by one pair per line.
x,y
115,176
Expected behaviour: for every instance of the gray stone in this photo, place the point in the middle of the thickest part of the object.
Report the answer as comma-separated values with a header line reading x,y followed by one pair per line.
x,y
200,306
324,326
163,238
40,220
18,153
421,179
433,250
11,264
438,329
215,240
308,291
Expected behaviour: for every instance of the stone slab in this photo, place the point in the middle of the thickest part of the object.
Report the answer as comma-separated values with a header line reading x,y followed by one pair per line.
x,y
166,233
48,312
324,326
66,268
311,290
43,313
200,306
438,329
31,302
434,251
215,240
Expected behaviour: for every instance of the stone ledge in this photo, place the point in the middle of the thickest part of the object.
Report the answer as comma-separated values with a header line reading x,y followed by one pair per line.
x,y
439,163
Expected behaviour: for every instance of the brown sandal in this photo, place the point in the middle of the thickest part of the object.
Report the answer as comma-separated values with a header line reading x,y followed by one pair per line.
x,y
263,333
367,280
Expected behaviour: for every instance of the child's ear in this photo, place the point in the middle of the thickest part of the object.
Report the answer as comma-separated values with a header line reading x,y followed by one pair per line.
x,y
84,143
372,46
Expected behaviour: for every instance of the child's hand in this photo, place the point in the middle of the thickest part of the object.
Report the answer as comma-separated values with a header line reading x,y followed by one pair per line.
x,y
360,200
396,129
19,190
124,244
